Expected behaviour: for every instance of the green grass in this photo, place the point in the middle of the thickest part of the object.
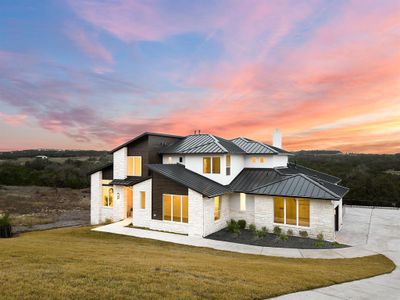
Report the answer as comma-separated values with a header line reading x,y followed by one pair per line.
x,y
76,263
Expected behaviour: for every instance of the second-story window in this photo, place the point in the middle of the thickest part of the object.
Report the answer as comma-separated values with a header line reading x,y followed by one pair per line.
x,y
212,165
228,165
134,166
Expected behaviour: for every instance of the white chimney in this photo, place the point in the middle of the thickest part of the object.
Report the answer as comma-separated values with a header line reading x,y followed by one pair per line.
x,y
277,138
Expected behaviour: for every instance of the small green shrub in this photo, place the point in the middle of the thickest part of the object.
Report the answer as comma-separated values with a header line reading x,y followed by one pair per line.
x,y
277,230
108,221
265,230
290,232
303,233
233,226
242,224
320,236
336,245
5,219
319,244
283,236
252,228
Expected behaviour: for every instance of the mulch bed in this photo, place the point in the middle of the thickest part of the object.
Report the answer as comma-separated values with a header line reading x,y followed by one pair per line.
x,y
272,240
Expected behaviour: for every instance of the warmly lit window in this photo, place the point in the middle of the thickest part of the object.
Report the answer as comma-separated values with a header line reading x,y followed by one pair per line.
x,y
217,208
108,196
212,165
175,208
304,212
291,217
142,200
206,165
134,166
285,211
228,165
262,159
242,201
254,159
279,210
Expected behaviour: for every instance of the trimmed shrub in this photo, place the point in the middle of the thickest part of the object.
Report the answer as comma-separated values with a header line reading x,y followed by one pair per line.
x,y
320,236
233,226
107,221
283,236
252,228
5,226
277,230
265,230
242,224
303,233
290,232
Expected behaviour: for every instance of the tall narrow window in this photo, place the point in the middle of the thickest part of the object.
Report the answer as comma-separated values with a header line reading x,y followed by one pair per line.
x,y
134,166
228,164
216,165
212,165
185,209
279,210
142,200
242,201
167,203
291,215
206,165
304,212
176,215
217,208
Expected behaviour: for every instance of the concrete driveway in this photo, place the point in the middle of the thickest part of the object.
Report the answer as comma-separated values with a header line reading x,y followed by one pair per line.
x,y
377,230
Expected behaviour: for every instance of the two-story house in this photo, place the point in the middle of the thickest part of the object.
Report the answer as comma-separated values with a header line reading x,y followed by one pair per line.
x,y
195,184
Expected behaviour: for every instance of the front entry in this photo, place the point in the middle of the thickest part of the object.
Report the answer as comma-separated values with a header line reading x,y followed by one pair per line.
x,y
337,218
129,201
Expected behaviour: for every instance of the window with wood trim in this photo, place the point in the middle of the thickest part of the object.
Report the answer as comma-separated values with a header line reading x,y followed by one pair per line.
x,y
212,165
142,200
217,208
175,208
292,211
134,166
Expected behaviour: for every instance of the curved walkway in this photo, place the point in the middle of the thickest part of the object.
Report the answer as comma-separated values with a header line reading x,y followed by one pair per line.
x,y
119,228
375,230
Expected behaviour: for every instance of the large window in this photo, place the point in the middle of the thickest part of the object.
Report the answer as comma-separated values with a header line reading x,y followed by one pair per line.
x,y
217,208
292,211
212,165
228,165
242,202
142,200
175,208
134,166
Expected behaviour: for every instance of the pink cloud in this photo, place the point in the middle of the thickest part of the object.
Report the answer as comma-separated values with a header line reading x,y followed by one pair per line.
x,y
13,120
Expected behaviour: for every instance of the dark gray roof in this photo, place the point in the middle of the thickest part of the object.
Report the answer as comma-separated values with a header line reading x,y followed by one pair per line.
x,y
337,189
298,185
202,144
254,147
190,179
100,168
293,169
251,178
130,180
143,135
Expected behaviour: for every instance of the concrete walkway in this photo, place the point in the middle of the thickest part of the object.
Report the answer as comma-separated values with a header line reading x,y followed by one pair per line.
x,y
375,230
119,228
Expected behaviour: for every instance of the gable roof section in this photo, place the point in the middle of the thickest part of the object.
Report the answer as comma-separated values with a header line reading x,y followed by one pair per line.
x,y
293,169
251,178
190,179
143,135
298,185
254,147
202,144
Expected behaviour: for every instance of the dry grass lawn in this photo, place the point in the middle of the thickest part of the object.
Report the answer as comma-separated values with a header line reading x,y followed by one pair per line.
x,y
76,263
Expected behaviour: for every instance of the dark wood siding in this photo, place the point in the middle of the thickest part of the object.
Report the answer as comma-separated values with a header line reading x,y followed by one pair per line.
x,y
108,173
163,185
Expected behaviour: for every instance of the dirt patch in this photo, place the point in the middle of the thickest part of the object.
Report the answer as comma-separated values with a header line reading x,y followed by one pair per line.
x,y
272,240
37,208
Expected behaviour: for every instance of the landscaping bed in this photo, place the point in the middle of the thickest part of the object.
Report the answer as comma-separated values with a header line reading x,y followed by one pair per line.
x,y
266,239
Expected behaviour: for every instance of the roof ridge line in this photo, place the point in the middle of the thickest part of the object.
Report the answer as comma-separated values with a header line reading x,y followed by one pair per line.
x,y
294,164
319,185
218,143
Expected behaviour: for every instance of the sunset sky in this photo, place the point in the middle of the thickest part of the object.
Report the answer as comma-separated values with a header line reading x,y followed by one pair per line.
x,y
90,75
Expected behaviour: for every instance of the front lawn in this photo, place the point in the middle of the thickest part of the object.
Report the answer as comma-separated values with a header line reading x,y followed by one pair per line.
x,y
76,263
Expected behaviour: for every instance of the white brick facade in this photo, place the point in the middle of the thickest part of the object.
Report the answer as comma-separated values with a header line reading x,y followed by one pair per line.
x,y
95,197
120,159
248,215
